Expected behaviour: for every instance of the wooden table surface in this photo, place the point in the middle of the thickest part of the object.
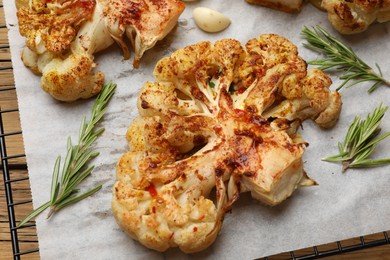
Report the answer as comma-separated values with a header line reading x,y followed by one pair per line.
x,y
21,189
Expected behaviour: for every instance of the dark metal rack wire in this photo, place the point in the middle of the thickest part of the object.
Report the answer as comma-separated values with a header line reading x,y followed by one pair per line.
x,y
7,167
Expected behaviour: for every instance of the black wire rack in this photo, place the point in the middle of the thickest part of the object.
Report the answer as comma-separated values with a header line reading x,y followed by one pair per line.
x,y
7,166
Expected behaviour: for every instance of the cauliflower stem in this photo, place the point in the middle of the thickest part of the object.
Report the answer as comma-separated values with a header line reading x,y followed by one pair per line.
x,y
219,120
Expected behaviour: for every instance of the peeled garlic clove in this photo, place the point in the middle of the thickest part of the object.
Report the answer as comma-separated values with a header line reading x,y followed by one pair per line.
x,y
209,20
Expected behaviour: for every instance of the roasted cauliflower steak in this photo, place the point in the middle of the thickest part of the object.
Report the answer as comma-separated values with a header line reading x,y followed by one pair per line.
x,y
354,16
346,16
62,37
219,120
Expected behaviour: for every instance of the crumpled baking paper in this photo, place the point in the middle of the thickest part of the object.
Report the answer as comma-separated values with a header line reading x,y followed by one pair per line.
x,y
340,207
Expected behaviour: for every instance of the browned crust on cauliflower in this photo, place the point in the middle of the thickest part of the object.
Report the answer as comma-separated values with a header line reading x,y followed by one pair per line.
x,y
54,23
62,37
354,16
72,82
144,22
218,116
346,16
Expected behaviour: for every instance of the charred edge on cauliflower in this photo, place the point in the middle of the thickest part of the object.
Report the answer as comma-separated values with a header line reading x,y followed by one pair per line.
x,y
355,16
194,138
63,36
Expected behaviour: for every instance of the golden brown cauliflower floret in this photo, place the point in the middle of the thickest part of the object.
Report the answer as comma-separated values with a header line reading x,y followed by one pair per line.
x,y
347,16
53,25
355,16
63,36
218,116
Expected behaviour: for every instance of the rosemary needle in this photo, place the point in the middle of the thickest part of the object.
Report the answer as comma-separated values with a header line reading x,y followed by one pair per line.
x,y
360,141
342,57
64,189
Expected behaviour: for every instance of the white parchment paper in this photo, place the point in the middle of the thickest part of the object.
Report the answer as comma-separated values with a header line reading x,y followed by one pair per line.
x,y
342,206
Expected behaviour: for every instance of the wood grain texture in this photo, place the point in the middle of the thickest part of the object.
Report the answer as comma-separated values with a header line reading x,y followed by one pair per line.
x,y
28,240
21,190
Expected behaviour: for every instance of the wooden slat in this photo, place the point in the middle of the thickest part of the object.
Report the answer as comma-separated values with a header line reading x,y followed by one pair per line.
x,y
5,54
5,65
21,189
2,18
11,124
27,236
7,77
3,36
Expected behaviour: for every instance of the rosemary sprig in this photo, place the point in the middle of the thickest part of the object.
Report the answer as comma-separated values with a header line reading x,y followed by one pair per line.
x,y
342,57
64,189
360,141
